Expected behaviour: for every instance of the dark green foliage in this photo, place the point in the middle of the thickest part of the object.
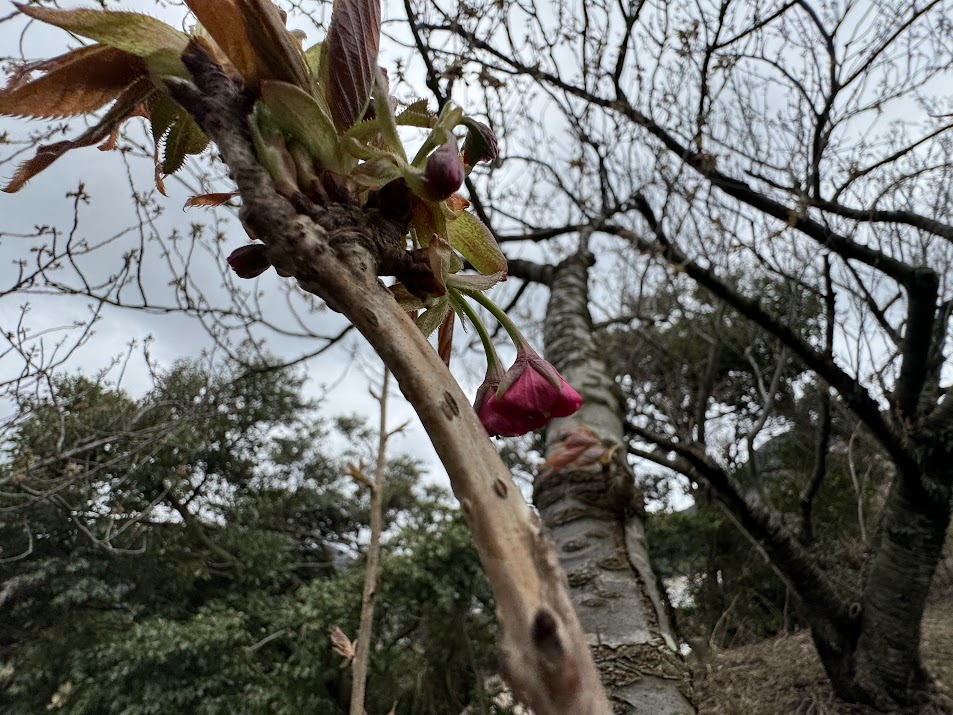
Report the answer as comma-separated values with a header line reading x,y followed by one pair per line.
x,y
701,375
189,551
697,349
732,596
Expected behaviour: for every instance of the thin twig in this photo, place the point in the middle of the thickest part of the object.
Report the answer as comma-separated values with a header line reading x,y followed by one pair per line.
x,y
362,649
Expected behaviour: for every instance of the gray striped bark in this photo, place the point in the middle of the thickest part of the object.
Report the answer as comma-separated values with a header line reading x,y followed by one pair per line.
x,y
594,513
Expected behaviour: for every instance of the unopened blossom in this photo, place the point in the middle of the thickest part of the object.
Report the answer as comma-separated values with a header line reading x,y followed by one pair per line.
x,y
480,143
497,420
250,260
444,172
527,397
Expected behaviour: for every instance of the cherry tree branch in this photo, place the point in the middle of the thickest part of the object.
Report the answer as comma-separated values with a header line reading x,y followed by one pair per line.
x,y
705,165
336,253
853,393
792,560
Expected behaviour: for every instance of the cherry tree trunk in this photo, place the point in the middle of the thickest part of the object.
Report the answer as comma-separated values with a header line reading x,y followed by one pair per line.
x,y
878,660
594,512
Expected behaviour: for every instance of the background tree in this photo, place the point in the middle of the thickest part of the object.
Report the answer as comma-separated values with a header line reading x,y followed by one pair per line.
x,y
587,495
799,145
191,549
782,157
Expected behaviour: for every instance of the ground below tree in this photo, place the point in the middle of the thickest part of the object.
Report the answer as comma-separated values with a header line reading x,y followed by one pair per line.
x,y
783,676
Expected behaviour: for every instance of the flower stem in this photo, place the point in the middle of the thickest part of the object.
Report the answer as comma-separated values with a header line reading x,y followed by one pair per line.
x,y
461,305
498,313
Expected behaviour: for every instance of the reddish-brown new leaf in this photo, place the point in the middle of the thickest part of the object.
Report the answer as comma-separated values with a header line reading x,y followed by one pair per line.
x,y
223,22
110,142
445,338
210,199
78,82
349,58
126,106
277,54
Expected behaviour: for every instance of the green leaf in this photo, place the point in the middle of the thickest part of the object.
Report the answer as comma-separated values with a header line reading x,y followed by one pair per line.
x,y
312,57
176,132
472,282
468,235
349,58
300,116
384,113
140,35
361,150
416,114
377,172
431,318
364,131
162,116
272,150
184,138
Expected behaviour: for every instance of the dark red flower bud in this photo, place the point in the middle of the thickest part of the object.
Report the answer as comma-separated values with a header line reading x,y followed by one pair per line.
x,y
444,171
250,260
530,399
496,421
480,144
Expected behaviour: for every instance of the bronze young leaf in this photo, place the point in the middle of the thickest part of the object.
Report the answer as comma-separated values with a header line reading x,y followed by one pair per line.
x,y
349,59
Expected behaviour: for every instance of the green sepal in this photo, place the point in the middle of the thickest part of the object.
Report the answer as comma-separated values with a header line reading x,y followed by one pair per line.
x,y
468,235
415,182
448,118
430,319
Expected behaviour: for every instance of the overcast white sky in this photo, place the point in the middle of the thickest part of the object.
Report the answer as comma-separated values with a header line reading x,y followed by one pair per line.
x,y
111,210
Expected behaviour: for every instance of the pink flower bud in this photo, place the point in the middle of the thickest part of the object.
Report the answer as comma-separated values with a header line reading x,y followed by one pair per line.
x,y
250,260
524,399
496,419
444,172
